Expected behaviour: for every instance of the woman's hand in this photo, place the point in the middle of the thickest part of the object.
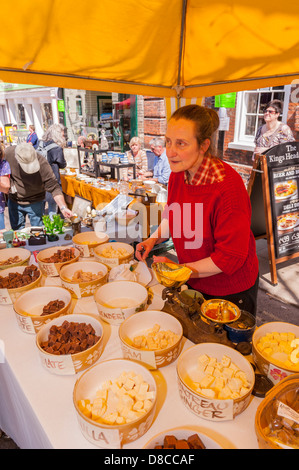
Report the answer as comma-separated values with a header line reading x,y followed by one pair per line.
x,y
143,249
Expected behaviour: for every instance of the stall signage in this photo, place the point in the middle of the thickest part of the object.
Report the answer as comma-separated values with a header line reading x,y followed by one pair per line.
x,y
283,171
60,105
227,100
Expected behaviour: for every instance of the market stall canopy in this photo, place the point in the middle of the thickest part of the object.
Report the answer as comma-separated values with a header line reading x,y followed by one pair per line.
x,y
164,48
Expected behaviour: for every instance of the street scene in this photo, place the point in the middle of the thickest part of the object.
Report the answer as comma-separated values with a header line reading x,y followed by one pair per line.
x,y
149,228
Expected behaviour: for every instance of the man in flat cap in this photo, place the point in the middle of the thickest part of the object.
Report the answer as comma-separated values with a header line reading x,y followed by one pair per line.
x,y
31,177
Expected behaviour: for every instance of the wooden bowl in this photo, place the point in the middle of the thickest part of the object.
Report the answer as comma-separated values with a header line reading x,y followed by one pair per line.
x,y
112,436
85,242
83,288
274,369
118,300
53,269
138,325
12,294
70,364
8,254
29,306
189,371
114,253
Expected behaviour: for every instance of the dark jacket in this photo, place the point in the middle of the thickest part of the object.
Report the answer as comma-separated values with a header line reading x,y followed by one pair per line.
x,y
27,188
56,159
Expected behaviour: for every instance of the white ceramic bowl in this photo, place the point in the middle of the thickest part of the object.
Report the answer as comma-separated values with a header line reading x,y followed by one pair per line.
x,y
85,242
210,408
21,254
116,259
118,300
137,325
29,306
181,433
105,435
13,294
275,370
52,269
86,288
70,364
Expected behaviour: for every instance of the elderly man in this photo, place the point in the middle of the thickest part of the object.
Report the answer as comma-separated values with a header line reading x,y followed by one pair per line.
x,y
161,166
31,177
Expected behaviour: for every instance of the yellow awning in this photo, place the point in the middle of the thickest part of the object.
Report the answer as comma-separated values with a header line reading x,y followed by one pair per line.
x,y
167,48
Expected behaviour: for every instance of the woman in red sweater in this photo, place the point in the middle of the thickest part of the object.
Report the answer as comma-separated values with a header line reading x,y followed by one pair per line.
x,y
208,213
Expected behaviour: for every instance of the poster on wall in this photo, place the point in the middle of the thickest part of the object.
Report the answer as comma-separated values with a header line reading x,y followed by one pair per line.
x,y
283,169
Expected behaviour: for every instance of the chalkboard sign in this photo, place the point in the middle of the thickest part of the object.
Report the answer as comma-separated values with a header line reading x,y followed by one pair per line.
x,y
283,174
273,188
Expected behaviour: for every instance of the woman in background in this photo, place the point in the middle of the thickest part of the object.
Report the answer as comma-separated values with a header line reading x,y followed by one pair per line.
x,y
4,184
55,156
138,156
273,132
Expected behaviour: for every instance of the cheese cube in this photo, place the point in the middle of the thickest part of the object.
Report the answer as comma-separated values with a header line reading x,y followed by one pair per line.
x,y
203,360
234,384
110,418
102,393
209,370
147,404
128,384
208,392
138,405
225,361
206,381
228,372
120,420
218,384
224,394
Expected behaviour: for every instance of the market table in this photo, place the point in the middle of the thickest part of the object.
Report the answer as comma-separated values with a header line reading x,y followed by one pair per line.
x,y
73,187
36,406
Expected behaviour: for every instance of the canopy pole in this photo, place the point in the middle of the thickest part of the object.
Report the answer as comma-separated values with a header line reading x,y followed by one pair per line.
x,y
178,87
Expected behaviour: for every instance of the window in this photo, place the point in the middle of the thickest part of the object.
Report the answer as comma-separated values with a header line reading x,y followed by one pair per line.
x,y
21,114
47,115
79,105
249,113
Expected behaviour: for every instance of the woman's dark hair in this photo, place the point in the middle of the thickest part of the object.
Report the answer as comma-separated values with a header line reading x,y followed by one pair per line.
x,y
206,121
276,104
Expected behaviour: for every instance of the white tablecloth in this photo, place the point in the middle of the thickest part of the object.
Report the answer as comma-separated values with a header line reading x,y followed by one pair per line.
x,y
36,407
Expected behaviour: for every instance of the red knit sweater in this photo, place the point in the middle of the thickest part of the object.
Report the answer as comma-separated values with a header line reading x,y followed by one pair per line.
x,y
214,220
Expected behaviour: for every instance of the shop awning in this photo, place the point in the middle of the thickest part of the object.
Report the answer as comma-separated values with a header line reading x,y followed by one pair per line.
x,y
189,48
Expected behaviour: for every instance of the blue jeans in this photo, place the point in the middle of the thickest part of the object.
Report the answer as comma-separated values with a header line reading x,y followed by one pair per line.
x,y
18,212
2,222
52,206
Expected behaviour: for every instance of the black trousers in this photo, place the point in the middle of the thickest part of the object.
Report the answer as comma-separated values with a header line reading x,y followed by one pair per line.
x,y
246,300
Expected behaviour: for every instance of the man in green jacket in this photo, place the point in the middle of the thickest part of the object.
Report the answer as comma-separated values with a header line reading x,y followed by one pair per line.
x,y
31,177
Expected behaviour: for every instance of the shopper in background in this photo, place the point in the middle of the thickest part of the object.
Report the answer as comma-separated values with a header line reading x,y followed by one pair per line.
x,y
161,166
31,177
4,184
32,136
273,132
138,156
54,138
208,213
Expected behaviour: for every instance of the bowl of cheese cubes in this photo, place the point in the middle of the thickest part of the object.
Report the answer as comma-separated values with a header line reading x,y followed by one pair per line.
x,y
215,381
115,402
151,337
114,253
275,349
